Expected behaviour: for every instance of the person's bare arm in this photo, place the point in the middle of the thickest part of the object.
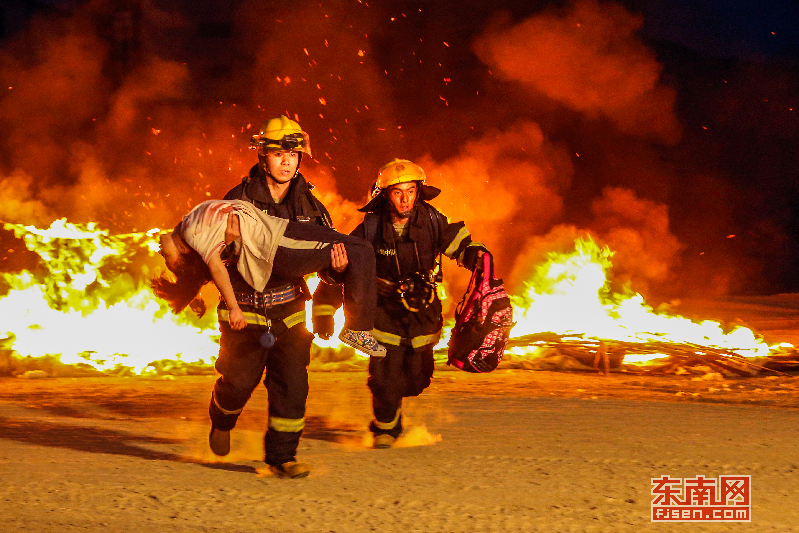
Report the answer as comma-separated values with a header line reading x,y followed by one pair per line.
x,y
222,280
232,231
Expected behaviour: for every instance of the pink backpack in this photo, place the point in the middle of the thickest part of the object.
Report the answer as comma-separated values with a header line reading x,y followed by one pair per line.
x,y
483,320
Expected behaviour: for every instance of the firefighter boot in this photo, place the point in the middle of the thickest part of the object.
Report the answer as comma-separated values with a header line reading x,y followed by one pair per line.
x,y
219,441
383,441
291,469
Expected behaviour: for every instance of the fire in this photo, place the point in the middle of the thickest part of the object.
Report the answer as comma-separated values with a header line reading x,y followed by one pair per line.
x,y
90,305
570,294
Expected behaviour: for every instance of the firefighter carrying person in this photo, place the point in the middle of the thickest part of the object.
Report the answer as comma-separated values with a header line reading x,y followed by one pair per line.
x,y
275,339
409,236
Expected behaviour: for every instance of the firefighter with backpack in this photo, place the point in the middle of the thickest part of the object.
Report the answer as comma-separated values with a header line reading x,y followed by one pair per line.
x,y
409,236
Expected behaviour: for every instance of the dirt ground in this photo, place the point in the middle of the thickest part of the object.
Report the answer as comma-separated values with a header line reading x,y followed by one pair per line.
x,y
513,450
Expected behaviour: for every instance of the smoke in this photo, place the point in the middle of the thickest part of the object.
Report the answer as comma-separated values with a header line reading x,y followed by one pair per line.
x,y
109,128
75,138
130,114
587,58
512,185
18,202
637,230
506,186
49,100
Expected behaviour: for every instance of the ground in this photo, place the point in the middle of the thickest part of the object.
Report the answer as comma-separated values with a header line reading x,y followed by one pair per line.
x,y
513,450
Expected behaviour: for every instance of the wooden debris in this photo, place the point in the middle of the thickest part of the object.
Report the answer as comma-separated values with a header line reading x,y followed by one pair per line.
x,y
602,354
680,355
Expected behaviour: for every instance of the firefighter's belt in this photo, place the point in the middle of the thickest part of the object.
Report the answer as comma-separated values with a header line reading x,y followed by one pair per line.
x,y
269,299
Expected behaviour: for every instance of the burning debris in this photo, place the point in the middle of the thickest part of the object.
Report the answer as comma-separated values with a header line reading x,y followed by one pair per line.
x,y
604,355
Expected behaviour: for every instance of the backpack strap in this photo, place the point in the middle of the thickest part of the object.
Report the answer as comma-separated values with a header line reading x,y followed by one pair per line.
x,y
471,294
311,209
485,274
488,274
244,182
479,287
371,224
436,224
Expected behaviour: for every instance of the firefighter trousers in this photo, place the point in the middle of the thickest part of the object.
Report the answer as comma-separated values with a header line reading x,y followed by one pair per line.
x,y
304,248
403,372
242,362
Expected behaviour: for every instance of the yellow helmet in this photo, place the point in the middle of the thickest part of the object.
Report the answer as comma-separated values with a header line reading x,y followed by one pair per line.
x,y
397,171
281,133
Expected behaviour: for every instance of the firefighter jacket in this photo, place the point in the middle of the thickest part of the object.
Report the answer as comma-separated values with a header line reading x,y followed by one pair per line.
x,y
429,235
299,205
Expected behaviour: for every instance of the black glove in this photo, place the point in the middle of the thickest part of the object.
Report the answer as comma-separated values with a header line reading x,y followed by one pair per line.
x,y
323,326
470,259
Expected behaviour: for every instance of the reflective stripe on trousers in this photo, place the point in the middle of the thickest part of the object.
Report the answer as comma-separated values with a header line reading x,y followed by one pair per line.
x,y
385,337
386,426
286,425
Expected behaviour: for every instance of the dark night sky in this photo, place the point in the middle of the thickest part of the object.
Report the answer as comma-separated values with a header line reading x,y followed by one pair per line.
x,y
747,29
692,179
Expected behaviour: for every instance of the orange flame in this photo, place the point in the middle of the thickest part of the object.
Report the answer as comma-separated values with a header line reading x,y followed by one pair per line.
x,y
91,306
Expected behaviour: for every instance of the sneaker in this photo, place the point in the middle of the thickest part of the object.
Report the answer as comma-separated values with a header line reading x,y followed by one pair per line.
x,y
291,469
363,342
219,441
383,441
